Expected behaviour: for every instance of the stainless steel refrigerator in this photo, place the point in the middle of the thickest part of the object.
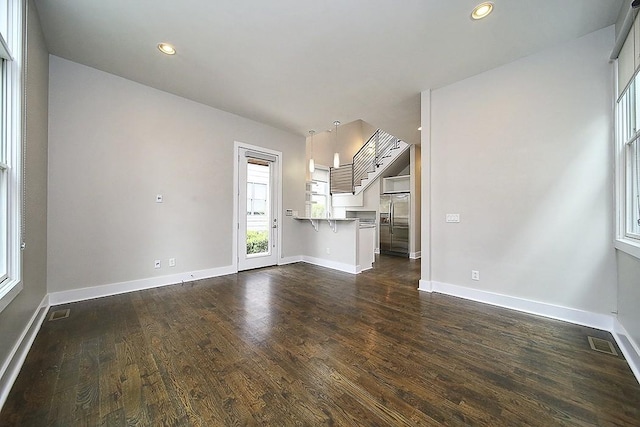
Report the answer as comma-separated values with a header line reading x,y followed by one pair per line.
x,y
394,224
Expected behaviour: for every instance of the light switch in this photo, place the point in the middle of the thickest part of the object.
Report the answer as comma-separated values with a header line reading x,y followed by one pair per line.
x,y
452,218
158,198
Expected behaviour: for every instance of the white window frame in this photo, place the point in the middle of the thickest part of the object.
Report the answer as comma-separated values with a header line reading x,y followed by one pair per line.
x,y
326,195
11,49
624,241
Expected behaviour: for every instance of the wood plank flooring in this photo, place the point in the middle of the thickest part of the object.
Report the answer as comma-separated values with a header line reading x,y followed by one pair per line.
x,y
304,345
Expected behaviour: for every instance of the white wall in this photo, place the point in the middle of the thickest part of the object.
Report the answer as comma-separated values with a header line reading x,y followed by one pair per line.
x,y
17,315
416,194
523,154
351,137
115,144
336,248
629,295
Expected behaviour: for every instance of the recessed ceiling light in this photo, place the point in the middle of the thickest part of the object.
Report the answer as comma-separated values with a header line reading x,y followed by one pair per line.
x,y
482,10
166,48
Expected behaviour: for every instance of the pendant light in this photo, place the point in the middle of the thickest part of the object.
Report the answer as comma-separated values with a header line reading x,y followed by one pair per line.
x,y
312,165
336,155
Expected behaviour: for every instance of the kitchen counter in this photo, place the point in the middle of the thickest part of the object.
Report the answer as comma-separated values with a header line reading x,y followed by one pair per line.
x,y
333,222
340,243
325,219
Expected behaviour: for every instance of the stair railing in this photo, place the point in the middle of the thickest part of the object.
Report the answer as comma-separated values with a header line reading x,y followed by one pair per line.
x,y
341,179
369,157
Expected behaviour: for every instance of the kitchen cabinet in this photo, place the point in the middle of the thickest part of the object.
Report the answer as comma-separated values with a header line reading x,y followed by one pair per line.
x,y
396,184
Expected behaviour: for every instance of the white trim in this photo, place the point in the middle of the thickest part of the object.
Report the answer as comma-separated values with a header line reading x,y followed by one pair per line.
x,y
334,265
629,348
628,246
425,186
290,260
623,243
425,286
360,269
13,364
571,315
237,145
82,294
12,291
415,255
13,120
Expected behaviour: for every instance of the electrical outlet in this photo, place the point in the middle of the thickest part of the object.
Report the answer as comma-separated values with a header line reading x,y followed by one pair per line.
x,y
328,251
172,262
157,264
452,217
475,275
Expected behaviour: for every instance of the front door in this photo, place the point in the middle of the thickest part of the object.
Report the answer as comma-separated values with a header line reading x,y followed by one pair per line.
x,y
258,184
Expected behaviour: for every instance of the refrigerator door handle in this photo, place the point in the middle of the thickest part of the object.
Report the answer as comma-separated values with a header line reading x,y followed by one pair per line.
x,y
391,216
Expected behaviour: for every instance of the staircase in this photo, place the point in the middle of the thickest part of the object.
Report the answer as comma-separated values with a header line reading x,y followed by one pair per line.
x,y
373,158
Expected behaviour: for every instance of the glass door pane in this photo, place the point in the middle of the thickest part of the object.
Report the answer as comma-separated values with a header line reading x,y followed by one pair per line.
x,y
258,224
258,239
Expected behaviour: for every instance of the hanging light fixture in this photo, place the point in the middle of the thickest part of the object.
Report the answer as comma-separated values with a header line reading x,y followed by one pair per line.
x,y
312,165
336,155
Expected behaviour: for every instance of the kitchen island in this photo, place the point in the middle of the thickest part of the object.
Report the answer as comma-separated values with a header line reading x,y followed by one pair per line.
x,y
338,243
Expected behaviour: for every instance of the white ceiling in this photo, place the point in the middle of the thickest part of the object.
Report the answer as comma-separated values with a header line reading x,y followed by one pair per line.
x,y
300,65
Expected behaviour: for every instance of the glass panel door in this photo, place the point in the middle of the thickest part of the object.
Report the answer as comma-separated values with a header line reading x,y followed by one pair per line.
x,y
258,208
258,220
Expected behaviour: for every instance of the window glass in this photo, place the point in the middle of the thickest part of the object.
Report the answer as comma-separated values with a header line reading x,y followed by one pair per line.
x,y
633,188
319,197
628,135
10,149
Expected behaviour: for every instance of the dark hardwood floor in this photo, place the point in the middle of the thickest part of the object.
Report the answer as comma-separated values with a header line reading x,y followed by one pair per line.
x,y
304,345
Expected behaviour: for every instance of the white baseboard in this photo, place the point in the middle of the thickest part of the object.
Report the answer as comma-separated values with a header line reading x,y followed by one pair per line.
x,y
64,297
415,255
425,286
12,365
629,347
571,315
290,260
335,265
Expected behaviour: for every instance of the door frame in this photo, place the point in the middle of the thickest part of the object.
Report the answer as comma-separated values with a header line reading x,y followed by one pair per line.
x,y
237,145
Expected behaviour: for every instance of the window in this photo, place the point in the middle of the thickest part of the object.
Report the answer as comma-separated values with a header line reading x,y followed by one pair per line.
x,y
256,198
628,168
10,148
632,155
628,152
258,173
319,193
